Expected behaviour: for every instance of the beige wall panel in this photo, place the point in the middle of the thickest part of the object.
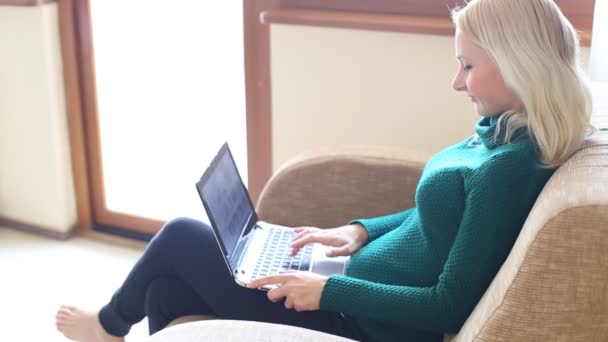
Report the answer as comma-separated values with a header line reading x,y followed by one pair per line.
x,y
36,184
355,87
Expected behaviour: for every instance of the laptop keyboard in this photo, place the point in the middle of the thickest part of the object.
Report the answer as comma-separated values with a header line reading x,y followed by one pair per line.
x,y
276,254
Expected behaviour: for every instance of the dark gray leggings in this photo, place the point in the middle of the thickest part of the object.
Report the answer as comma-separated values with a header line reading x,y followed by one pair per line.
x,y
182,272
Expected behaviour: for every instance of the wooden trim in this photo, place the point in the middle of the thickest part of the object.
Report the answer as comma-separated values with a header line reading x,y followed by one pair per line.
x,y
83,119
74,113
113,239
258,97
89,121
422,8
86,58
36,229
378,22
429,16
25,3
580,12
585,38
129,222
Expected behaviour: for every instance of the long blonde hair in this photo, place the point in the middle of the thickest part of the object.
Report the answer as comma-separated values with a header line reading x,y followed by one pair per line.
x,y
536,50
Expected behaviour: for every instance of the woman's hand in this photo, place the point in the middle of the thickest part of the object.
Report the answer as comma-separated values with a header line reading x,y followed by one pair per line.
x,y
345,240
301,290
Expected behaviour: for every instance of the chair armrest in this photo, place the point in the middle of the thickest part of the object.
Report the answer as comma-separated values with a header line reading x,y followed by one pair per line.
x,y
239,331
329,187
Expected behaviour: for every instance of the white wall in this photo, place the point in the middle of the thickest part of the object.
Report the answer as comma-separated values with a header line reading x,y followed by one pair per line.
x,y
345,87
36,184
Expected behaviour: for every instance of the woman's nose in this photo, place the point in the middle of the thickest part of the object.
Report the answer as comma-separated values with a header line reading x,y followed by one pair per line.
x,y
458,82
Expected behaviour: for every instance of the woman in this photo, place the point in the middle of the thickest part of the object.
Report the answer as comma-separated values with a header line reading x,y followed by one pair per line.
x,y
416,274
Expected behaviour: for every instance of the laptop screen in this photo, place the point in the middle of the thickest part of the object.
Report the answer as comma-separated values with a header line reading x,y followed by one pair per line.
x,y
226,199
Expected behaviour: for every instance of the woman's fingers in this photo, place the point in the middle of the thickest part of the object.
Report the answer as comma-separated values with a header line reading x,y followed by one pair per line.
x,y
288,302
302,241
275,295
339,251
269,280
300,233
330,237
327,239
303,231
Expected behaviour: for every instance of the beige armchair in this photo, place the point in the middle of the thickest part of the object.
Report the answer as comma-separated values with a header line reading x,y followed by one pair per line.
x,y
552,287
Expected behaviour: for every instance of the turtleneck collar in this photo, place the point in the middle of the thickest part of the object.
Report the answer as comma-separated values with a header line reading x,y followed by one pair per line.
x,y
486,130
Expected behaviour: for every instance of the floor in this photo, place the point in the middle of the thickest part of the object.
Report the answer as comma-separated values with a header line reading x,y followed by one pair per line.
x,y
39,274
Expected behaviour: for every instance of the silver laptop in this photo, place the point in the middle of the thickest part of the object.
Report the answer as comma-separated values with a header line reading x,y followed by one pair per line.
x,y
252,248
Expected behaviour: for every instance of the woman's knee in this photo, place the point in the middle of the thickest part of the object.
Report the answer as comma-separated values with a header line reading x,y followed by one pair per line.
x,y
184,229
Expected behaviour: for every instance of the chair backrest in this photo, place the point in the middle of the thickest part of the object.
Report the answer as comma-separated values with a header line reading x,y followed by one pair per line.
x,y
554,284
328,187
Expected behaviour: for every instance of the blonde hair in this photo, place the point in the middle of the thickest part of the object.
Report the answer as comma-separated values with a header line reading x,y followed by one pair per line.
x,y
536,50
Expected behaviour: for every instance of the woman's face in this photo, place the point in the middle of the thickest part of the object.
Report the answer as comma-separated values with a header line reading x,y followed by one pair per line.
x,y
479,77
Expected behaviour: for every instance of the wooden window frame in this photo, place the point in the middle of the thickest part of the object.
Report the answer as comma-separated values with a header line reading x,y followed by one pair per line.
x,y
81,103
25,3
415,16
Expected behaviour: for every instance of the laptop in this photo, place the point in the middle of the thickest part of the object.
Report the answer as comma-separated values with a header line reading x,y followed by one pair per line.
x,y
252,248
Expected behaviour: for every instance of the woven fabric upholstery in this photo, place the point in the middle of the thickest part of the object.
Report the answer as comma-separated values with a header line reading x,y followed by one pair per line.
x,y
554,284
240,331
329,187
190,318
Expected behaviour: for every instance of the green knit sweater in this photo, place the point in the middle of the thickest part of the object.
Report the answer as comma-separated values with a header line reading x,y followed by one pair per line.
x,y
423,270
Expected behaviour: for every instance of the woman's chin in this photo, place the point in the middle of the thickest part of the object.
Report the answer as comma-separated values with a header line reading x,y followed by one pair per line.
x,y
481,111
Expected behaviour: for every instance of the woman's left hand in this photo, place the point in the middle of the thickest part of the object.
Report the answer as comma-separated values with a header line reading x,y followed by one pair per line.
x,y
301,290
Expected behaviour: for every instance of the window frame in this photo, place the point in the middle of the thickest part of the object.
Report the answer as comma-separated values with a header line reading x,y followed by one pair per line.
x,y
81,106
25,3
415,16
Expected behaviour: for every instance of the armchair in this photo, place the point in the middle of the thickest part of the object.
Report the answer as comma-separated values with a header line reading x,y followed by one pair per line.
x,y
552,287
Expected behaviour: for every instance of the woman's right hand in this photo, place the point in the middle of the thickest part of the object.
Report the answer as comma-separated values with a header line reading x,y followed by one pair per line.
x,y
345,240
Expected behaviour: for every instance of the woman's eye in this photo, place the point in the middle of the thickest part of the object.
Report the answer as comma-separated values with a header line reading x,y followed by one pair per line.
x,y
467,67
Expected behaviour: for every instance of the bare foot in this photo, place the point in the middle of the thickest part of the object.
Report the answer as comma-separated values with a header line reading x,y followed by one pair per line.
x,y
83,326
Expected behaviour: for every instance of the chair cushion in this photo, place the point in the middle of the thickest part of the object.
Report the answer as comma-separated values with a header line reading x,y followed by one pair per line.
x,y
240,331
